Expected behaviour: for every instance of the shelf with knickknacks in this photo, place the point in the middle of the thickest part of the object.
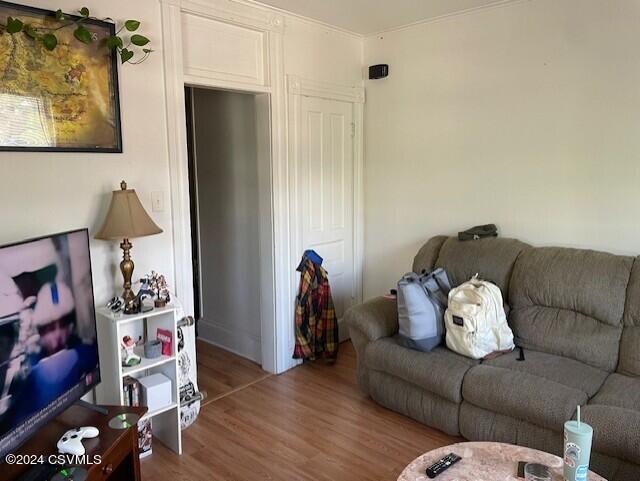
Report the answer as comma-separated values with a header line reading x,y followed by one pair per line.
x,y
146,348
152,286
135,349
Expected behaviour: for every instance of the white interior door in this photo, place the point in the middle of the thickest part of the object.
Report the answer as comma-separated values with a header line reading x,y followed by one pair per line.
x,y
326,191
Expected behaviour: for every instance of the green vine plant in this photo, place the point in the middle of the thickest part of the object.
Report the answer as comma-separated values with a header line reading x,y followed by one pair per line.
x,y
127,48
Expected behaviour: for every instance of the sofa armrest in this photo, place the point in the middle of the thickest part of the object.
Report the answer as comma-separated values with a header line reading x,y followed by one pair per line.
x,y
374,318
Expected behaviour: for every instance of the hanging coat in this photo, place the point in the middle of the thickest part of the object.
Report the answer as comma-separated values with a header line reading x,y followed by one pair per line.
x,y
315,315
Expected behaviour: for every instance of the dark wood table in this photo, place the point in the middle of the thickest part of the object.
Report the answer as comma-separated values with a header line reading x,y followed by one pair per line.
x,y
118,448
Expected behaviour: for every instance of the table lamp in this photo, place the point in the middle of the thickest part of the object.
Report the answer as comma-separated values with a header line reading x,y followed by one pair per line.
x,y
126,219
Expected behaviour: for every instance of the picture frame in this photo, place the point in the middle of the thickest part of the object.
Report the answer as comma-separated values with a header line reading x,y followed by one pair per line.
x,y
64,100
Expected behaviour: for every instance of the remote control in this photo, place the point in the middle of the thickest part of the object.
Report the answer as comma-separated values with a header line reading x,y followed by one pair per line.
x,y
442,465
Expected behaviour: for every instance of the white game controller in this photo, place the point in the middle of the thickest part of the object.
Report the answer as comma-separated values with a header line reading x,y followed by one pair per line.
x,y
71,441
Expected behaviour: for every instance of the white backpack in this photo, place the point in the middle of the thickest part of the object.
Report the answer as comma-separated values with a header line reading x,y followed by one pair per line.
x,y
475,320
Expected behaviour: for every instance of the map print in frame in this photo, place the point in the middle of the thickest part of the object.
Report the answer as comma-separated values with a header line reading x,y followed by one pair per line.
x,y
64,100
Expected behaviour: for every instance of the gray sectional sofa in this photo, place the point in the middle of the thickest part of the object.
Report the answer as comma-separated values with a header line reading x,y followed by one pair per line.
x,y
575,312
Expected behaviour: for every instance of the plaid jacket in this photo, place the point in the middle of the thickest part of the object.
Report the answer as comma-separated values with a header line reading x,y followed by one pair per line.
x,y
315,316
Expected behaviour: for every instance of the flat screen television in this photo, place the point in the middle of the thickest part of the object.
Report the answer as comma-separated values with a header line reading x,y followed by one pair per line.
x,y
48,344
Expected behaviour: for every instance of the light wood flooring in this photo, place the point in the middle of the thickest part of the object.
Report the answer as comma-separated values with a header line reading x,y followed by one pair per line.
x,y
221,372
308,424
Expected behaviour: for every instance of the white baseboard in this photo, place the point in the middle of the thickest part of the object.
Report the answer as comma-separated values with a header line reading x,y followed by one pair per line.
x,y
239,343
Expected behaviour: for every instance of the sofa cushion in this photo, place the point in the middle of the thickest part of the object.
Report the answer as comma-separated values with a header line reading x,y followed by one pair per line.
x,y
491,258
619,391
562,370
477,424
614,414
613,468
426,257
615,431
570,302
375,318
629,352
440,371
414,401
543,390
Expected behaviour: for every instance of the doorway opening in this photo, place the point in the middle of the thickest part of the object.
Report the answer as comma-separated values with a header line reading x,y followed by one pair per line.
x,y
228,138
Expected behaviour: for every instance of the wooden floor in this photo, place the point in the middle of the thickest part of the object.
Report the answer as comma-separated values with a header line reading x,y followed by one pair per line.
x,y
221,372
308,424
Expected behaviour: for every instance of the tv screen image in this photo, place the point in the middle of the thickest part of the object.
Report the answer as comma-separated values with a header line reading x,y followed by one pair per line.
x,y
48,345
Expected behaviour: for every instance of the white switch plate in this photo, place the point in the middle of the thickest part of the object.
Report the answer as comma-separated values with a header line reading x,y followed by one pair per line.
x,y
157,201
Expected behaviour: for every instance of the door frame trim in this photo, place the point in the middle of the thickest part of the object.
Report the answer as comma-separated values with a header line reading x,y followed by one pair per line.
x,y
298,87
276,356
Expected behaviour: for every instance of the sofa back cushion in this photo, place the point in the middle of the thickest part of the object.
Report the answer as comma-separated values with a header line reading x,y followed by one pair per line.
x,y
630,344
491,258
426,257
570,302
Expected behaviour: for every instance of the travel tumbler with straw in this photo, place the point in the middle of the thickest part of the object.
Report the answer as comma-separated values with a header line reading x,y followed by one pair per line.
x,y
577,449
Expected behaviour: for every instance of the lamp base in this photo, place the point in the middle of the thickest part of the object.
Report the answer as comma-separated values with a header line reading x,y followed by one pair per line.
x,y
126,267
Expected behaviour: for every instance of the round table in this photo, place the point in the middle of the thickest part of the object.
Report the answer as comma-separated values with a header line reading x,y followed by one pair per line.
x,y
484,462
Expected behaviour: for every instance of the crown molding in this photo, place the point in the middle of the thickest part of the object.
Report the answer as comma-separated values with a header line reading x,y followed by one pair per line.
x,y
245,12
447,16
235,13
303,18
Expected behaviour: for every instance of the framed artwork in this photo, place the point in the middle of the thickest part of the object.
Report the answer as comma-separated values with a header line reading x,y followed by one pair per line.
x,y
63,100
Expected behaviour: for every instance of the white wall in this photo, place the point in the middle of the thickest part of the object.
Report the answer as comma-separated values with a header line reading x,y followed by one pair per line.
x,y
48,192
318,52
226,137
41,193
525,115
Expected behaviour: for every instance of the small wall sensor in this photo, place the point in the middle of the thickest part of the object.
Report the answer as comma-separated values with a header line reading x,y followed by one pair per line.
x,y
378,71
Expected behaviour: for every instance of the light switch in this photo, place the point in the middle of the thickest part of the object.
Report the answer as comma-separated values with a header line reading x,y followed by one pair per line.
x,y
157,201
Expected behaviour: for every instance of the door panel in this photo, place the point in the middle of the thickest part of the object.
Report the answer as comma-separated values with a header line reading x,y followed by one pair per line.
x,y
326,193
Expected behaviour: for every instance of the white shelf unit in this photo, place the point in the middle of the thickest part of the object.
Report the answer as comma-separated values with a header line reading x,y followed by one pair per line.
x,y
111,329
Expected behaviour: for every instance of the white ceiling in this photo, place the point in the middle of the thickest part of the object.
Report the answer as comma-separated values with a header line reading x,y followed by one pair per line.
x,y
372,16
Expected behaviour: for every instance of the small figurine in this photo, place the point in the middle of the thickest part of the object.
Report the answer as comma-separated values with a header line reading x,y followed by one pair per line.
x,y
116,304
158,285
135,305
132,307
129,358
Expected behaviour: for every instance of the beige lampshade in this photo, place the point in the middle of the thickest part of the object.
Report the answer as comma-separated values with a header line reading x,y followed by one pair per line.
x,y
126,218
